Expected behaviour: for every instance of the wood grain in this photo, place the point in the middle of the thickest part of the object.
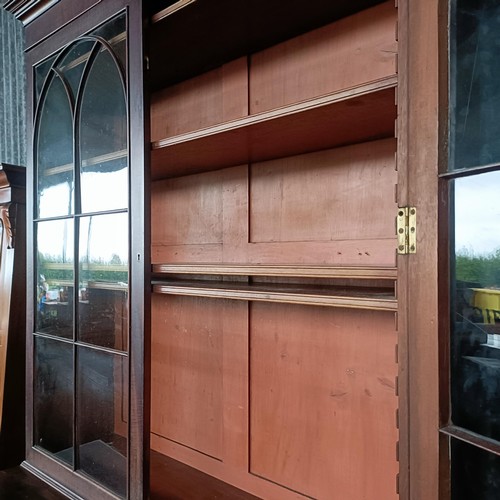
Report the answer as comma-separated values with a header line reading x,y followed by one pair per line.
x,y
349,116
187,372
355,50
263,214
338,194
188,210
418,157
379,273
278,293
215,97
323,401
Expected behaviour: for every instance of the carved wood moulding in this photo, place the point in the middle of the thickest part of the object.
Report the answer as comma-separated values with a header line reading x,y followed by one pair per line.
x,y
28,10
12,181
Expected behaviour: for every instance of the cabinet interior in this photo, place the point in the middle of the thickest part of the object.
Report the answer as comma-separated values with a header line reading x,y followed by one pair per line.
x,y
273,244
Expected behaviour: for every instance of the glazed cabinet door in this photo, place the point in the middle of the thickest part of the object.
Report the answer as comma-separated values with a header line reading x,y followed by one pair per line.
x,y
86,292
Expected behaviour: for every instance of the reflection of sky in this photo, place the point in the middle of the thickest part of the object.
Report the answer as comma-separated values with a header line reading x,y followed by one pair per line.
x,y
108,237
109,233
477,213
100,191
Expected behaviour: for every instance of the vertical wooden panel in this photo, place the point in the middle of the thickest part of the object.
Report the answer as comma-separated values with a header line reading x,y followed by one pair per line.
x,y
200,376
186,218
323,400
350,52
187,363
338,194
214,97
418,147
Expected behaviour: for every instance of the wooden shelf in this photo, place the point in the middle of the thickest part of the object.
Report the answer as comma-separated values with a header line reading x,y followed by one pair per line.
x,y
235,29
359,114
115,155
360,273
317,296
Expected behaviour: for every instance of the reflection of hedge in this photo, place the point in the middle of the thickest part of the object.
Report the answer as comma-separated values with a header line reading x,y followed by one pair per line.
x,y
478,269
54,270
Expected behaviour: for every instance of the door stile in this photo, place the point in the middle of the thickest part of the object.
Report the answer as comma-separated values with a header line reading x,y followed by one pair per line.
x,y
418,160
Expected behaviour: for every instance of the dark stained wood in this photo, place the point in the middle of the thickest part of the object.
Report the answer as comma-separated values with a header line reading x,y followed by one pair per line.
x,y
44,36
19,484
140,244
419,156
172,480
12,313
62,13
28,10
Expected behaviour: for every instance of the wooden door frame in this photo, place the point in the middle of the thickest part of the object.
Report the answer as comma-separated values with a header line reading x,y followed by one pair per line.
x,y
421,129
52,30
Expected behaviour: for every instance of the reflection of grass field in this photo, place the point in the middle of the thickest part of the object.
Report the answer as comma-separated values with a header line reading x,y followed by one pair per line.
x,y
62,272
483,269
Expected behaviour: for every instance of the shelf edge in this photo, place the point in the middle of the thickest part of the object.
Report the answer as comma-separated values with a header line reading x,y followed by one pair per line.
x,y
296,108
383,273
389,305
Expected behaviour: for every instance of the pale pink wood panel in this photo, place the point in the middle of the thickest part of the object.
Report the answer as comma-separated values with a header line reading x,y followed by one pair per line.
x,y
338,123
338,194
187,372
344,54
214,97
356,252
176,254
323,401
187,210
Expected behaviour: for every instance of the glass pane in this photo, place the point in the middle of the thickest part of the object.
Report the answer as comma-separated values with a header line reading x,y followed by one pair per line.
x,y
41,72
475,473
55,153
114,32
103,138
102,409
73,64
475,340
103,307
55,274
53,398
474,77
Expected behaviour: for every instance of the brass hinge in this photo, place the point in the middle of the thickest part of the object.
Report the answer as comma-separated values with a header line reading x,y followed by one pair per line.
x,y
406,228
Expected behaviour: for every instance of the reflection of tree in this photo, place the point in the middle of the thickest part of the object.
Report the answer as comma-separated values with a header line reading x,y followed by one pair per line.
x,y
484,269
113,270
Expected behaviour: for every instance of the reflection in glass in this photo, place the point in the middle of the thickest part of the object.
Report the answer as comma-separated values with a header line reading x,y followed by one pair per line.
x,y
102,407
475,341
474,89
103,305
55,278
114,32
103,139
55,153
474,473
73,64
53,398
41,72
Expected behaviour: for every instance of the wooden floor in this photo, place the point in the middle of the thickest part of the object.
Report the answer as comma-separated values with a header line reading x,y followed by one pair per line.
x,y
170,480
17,484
